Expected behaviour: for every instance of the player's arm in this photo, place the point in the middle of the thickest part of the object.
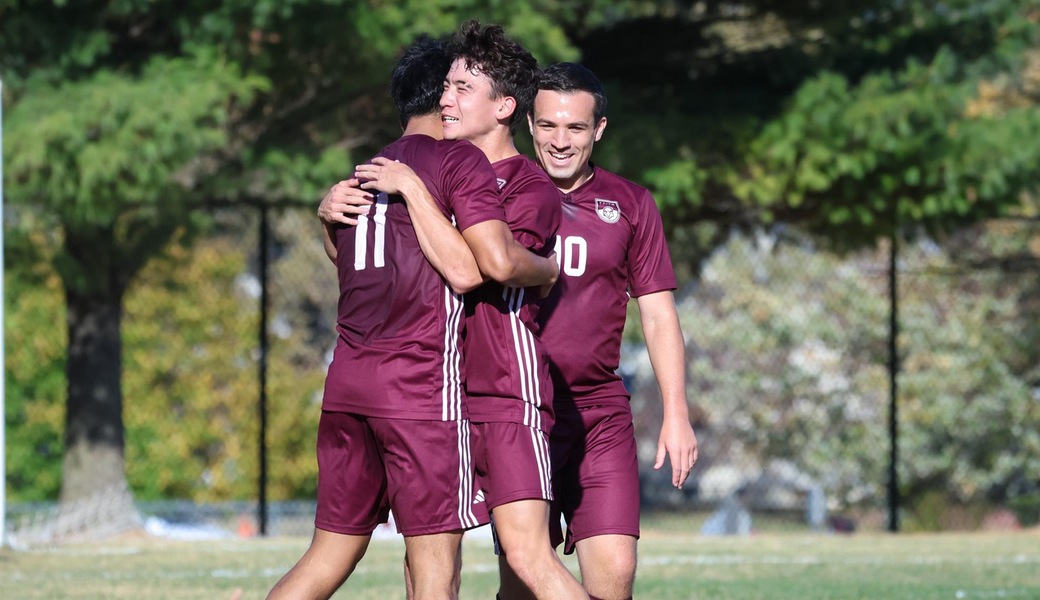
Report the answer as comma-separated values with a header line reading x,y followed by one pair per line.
x,y
536,212
340,206
505,260
667,350
439,240
328,239
485,249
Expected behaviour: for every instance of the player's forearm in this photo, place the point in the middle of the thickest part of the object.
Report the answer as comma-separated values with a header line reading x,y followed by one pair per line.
x,y
328,239
671,379
502,258
667,351
441,243
527,269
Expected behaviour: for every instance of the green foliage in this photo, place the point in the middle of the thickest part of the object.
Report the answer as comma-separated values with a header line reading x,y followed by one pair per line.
x,y
116,159
790,364
894,149
304,300
34,353
191,384
123,117
829,115
983,422
190,379
285,173
387,27
91,151
1027,508
970,431
677,182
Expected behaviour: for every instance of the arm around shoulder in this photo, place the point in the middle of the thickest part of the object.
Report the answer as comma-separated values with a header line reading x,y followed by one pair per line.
x,y
439,240
503,259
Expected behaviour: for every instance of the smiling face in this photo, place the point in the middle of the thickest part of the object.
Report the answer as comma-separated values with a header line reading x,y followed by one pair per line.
x,y
564,128
469,110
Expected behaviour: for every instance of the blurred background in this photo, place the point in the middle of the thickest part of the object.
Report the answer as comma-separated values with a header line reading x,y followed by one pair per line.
x,y
849,188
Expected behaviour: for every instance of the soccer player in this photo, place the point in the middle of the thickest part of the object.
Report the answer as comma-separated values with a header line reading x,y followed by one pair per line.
x,y
394,432
487,93
610,246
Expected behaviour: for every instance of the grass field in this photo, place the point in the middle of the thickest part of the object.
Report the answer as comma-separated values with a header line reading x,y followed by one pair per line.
x,y
671,566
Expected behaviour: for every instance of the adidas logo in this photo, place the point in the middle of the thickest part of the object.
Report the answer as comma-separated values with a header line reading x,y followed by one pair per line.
x,y
479,497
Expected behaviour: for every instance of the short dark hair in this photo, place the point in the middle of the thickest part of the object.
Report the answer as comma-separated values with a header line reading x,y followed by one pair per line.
x,y
418,79
513,71
572,77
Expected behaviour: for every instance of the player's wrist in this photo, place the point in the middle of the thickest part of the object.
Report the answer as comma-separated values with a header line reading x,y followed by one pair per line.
x,y
679,413
415,195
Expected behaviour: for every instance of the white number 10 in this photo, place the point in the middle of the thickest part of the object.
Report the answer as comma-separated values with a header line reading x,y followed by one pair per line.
x,y
573,255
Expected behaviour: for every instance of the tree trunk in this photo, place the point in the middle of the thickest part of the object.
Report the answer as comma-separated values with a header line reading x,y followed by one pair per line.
x,y
94,461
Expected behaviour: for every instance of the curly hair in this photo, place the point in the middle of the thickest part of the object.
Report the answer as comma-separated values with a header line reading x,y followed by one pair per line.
x,y
418,79
513,71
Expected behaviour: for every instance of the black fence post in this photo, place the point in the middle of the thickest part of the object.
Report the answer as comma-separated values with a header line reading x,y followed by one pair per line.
x,y
893,381
263,255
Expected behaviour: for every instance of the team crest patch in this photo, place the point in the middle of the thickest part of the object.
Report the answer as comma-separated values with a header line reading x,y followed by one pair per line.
x,y
501,183
608,210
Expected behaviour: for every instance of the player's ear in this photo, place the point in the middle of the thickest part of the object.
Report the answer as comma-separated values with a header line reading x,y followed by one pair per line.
x,y
506,107
600,127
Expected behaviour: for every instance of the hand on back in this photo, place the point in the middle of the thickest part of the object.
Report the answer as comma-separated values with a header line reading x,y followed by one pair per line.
x,y
344,202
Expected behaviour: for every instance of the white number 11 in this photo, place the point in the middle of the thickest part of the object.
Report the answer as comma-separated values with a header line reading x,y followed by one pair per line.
x,y
361,236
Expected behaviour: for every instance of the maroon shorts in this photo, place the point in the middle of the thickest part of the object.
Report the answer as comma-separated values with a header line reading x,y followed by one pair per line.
x,y
421,470
512,462
596,475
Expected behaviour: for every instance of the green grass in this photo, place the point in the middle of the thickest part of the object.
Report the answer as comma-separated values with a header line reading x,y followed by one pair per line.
x,y
671,566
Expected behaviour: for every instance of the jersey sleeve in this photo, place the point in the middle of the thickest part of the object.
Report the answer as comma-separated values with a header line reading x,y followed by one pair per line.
x,y
471,189
535,214
650,264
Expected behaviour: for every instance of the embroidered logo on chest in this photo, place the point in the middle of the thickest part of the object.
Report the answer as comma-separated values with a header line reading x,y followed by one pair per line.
x,y
501,183
608,210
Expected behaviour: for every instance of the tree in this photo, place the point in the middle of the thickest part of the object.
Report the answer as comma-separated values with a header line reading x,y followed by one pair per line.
x,y
102,156
828,114
190,328
125,118
189,341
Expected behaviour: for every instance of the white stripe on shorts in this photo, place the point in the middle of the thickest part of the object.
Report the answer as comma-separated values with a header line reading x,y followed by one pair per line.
x,y
540,443
466,516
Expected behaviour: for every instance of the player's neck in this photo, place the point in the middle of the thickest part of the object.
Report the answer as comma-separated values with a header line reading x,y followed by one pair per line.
x,y
497,145
569,185
425,125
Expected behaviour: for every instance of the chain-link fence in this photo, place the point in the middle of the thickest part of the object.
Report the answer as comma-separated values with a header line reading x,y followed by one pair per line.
x,y
790,383
789,374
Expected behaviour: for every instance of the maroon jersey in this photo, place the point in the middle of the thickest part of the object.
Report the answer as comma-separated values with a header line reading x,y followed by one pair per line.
x,y
398,353
507,376
611,245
